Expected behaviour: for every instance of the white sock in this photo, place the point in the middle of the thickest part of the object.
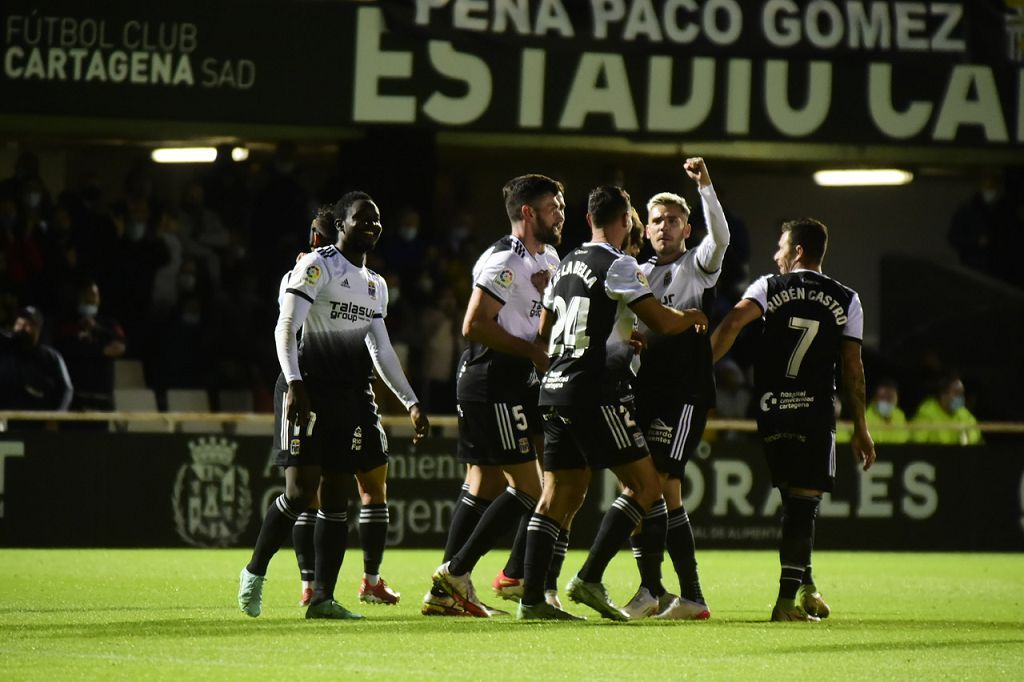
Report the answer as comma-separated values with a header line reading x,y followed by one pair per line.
x,y
371,579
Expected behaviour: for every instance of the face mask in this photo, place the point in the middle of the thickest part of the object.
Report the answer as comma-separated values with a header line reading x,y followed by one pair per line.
x,y
88,310
885,408
956,403
34,199
135,230
407,233
23,340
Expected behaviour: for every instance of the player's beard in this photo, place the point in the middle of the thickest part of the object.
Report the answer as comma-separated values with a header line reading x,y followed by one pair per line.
x,y
548,233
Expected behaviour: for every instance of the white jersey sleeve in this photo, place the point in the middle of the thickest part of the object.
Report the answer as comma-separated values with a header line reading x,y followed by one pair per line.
x,y
758,292
305,281
626,282
854,327
711,250
497,274
385,360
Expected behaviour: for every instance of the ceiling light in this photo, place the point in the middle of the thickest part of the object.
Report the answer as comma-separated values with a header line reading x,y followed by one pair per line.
x,y
239,154
184,155
864,177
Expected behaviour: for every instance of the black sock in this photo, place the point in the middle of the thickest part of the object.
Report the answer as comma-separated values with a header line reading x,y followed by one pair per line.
x,y
808,579
619,521
514,565
555,569
466,516
373,535
649,548
276,525
798,516
683,552
331,539
302,541
499,518
541,536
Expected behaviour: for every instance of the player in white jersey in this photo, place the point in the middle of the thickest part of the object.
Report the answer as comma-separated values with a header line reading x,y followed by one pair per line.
x,y
371,467
496,400
675,385
340,306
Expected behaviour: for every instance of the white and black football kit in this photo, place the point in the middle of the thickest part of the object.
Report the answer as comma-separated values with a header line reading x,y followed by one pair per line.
x,y
340,309
497,403
591,421
675,386
806,317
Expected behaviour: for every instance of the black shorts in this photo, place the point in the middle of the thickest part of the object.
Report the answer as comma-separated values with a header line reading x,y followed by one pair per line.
x,y
594,436
495,433
673,429
347,435
800,459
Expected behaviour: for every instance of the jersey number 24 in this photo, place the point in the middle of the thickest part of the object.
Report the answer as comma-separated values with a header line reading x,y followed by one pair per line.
x,y
570,328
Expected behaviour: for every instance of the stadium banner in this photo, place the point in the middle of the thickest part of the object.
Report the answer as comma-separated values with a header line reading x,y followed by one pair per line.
x,y
825,71
165,490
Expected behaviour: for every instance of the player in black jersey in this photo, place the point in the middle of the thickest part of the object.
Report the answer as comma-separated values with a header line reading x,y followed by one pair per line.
x,y
811,321
340,306
590,309
496,401
675,386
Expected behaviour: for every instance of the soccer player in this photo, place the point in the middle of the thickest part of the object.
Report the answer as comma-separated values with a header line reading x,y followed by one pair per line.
x,y
810,322
590,309
495,400
675,386
340,306
373,514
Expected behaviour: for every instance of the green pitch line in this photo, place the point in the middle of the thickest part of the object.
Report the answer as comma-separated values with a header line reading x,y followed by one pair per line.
x,y
171,614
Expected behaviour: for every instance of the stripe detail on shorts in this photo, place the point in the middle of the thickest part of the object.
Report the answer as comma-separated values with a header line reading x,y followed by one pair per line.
x,y
682,433
615,426
504,422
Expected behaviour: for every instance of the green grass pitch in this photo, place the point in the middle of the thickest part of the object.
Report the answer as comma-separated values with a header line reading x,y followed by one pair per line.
x,y
172,614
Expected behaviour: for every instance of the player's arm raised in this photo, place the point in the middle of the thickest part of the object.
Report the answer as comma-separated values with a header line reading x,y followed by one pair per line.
x,y
853,387
481,326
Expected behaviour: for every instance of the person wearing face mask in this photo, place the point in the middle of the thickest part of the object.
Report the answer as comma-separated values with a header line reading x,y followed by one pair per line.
x,y
33,375
90,343
946,405
884,417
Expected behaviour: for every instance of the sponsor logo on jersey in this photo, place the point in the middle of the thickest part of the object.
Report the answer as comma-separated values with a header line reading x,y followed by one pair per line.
x,y
768,401
660,432
535,309
312,275
371,288
504,278
350,311
642,278
212,500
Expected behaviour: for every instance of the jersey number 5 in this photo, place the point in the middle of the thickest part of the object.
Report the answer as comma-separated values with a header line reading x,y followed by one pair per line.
x,y
570,328
808,330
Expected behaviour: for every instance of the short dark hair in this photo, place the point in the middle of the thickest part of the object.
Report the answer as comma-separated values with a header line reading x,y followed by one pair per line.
x,y
525,189
606,204
342,205
30,312
810,234
323,225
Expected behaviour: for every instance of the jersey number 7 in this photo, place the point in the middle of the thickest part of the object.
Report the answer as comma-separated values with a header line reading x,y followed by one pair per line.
x,y
808,330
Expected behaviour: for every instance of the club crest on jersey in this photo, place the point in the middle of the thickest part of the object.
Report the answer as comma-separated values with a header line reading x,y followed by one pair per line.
x,y
371,288
312,274
642,278
524,445
668,279
504,278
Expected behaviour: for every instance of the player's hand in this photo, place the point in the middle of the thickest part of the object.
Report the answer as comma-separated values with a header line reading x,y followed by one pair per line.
x,y
540,360
297,407
700,320
697,170
540,280
419,422
863,449
638,342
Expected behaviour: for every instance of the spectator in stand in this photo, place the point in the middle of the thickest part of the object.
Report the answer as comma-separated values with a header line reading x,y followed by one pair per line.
x,y
884,417
733,394
946,405
33,375
90,343
202,234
